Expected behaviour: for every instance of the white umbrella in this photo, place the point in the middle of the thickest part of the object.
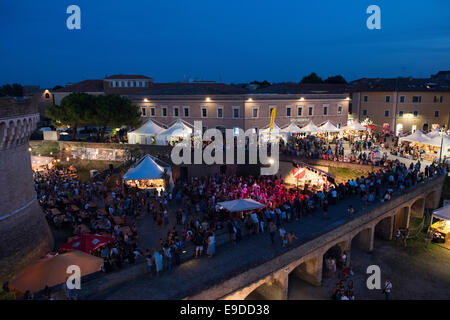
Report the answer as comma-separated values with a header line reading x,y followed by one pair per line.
x,y
241,205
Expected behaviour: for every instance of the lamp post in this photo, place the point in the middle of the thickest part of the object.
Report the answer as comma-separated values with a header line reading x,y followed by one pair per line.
x,y
441,130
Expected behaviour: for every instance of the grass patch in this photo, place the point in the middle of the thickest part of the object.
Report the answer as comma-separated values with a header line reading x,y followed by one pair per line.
x,y
344,174
46,148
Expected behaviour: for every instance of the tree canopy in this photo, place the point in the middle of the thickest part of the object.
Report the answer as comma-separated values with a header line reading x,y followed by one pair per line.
x,y
104,111
12,90
312,78
336,79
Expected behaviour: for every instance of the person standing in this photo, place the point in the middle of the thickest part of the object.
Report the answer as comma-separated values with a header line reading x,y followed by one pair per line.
x,y
272,230
387,289
158,261
211,245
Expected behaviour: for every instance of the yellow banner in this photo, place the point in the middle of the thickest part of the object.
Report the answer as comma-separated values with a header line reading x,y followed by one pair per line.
x,y
272,118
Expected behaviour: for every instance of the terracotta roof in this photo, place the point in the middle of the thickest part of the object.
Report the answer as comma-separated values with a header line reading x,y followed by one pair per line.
x,y
192,89
296,88
128,76
83,86
399,84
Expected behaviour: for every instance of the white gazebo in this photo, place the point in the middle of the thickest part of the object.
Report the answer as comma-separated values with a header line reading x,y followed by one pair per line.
x,y
328,127
292,128
309,128
241,205
146,174
145,133
417,137
355,126
177,131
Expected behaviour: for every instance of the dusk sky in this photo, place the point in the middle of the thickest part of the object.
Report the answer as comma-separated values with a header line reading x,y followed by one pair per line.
x,y
230,41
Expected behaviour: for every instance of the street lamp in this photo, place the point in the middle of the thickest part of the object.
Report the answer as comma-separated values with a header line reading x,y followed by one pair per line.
x,y
441,131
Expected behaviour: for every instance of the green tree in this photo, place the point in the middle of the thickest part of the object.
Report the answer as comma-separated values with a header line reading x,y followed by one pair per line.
x,y
74,111
336,79
114,111
312,78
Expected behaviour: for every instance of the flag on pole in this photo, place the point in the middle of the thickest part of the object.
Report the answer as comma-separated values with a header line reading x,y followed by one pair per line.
x,y
272,118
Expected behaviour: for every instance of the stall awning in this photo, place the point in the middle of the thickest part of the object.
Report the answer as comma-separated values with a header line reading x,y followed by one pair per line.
x,y
443,213
145,170
310,128
241,205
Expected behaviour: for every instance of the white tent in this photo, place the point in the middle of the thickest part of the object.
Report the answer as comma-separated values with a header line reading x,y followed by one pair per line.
x,y
241,205
291,128
433,134
442,213
177,130
146,169
276,130
309,128
354,125
418,137
328,127
144,133
266,134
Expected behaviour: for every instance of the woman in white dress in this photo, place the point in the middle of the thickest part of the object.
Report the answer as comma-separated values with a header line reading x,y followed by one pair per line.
x,y
158,261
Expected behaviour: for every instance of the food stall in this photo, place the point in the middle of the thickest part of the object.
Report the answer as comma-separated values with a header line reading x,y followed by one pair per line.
x,y
440,226
147,174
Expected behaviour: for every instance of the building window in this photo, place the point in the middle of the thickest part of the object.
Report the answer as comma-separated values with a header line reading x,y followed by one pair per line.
x,y
364,112
417,99
204,112
186,112
441,99
366,98
288,112
438,99
310,111
436,114
339,111
388,99
164,111
47,95
350,108
152,111
386,113
299,111
325,110
339,125
176,112
416,113
236,112
220,112
402,99
271,109
400,114
255,112
143,111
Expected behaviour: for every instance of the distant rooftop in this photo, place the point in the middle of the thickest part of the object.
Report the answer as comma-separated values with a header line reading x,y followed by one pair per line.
x,y
399,84
127,76
83,86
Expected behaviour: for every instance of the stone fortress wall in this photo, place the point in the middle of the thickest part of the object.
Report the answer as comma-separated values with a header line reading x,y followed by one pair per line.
x,y
24,233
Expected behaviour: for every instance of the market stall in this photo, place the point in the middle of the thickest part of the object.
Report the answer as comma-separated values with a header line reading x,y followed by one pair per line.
x,y
147,174
440,227
310,128
175,133
271,135
41,163
421,145
146,134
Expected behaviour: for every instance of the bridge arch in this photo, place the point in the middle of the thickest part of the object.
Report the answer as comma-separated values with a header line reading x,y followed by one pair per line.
x,y
417,208
401,218
432,200
384,228
363,239
269,290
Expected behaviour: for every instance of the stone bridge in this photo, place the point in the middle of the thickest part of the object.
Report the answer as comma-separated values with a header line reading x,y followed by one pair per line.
x,y
270,279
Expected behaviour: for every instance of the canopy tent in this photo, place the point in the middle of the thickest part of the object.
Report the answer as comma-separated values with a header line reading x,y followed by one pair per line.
x,y
434,133
355,126
144,133
176,131
328,127
86,242
40,161
418,137
290,129
147,174
266,134
309,128
442,213
241,205
52,270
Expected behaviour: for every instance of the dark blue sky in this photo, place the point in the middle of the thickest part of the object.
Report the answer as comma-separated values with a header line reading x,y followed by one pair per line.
x,y
222,40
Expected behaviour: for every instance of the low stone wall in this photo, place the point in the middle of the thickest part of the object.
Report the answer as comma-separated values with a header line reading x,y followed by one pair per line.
x,y
329,163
